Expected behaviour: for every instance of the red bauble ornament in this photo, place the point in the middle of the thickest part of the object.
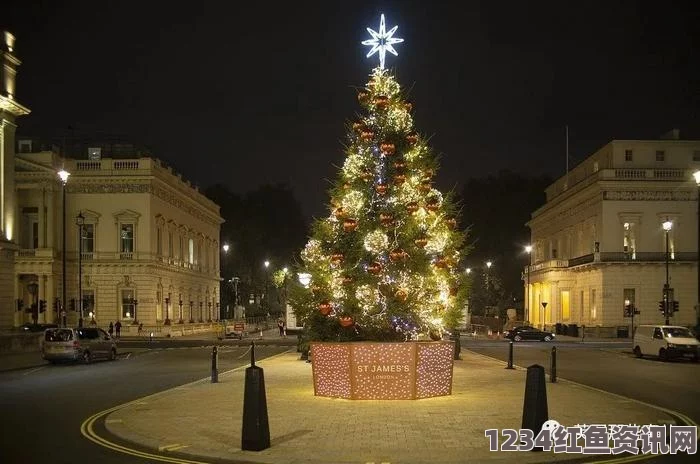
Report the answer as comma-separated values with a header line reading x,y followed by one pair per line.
x,y
433,205
347,280
381,101
337,258
339,213
412,207
363,96
366,175
412,138
315,289
358,127
440,263
386,218
401,295
346,321
451,223
397,254
374,268
399,179
347,186
453,291
408,105
421,242
349,225
425,186
381,188
387,149
366,135
400,164
325,307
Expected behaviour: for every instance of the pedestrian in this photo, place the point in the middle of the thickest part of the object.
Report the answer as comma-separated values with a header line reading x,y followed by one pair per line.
x,y
280,326
110,331
118,329
140,328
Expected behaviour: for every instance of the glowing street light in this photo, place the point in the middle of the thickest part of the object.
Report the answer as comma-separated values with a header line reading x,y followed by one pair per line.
x,y
667,225
63,175
696,174
225,247
528,250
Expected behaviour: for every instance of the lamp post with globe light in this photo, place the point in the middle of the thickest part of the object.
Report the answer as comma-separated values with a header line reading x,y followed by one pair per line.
x,y
225,249
265,301
528,250
696,175
667,226
80,222
63,176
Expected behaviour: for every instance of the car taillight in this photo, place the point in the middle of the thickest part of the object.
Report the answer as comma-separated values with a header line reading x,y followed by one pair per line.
x,y
76,344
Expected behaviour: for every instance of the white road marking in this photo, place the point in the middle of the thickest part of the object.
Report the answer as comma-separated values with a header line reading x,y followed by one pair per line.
x,y
113,421
34,370
173,447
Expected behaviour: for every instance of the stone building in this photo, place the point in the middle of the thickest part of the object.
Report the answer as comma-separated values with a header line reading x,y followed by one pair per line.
x,y
141,243
599,245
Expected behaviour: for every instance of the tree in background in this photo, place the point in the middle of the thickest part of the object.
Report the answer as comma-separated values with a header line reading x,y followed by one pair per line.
x,y
497,211
266,224
385,264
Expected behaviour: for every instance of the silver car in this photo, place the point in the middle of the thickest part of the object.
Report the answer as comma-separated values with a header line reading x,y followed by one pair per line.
x,y
81,344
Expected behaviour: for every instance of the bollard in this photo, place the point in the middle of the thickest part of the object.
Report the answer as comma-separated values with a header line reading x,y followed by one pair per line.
x,y
535,412
214,365
553,370
255,435
510,356
458,344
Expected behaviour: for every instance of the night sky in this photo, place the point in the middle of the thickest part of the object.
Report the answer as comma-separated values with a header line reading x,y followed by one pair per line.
x,y
246,93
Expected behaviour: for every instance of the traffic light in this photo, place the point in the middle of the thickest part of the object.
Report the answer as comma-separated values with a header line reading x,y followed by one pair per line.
x,y
662,308
42,306
675,306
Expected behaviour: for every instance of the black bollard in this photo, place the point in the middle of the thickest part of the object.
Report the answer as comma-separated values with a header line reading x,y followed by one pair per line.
x,y
535,412
458,344
214,365
510,356
256,429
553,371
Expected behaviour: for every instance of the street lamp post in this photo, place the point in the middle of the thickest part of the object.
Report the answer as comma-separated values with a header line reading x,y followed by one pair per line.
x,y
167,311
63,175
266,299
528,250
179,304
191,318
696,174
667,225
80,222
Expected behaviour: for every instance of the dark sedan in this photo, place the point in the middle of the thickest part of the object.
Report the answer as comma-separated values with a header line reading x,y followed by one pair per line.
x,y
518,334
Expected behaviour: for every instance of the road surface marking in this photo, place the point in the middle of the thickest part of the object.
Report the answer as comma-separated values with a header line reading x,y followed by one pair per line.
x,y
113,421
172,447
34,370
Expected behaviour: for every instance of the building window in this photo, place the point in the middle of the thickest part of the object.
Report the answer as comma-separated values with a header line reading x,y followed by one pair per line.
x,y
593,305
88,238
190,251
660,155
627,300
181,256
696,155
565,305
170,244
629,243
89,303
126,238
35,235
159,241
581,307
628,155
127,303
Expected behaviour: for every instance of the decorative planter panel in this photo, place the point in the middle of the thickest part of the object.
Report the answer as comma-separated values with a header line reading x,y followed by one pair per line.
x,y
382,371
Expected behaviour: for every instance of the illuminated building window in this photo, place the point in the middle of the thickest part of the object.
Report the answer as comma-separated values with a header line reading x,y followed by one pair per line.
x,y
593,305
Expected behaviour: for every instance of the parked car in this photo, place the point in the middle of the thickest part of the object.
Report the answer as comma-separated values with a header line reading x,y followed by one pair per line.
x,y
527,332
31,327
81,344
666,342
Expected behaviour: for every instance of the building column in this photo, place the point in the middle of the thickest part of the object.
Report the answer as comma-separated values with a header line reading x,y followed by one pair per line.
x,y
50,297
51,216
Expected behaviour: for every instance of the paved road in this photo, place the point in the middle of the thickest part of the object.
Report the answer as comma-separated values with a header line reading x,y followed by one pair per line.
x,y
611,367
44,407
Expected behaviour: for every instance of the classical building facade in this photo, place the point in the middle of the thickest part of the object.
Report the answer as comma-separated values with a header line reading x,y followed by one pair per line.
x,y
599,244
141,242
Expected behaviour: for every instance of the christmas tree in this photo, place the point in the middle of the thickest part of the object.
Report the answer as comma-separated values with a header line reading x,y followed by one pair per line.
x,y
384,265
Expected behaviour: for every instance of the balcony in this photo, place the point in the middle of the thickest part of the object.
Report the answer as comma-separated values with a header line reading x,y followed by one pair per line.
x,y
615,257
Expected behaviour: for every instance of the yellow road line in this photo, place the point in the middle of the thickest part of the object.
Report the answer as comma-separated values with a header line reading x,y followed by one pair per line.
x,y
88,431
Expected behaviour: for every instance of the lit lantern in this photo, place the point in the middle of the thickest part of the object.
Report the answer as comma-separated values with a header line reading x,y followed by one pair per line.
x,y
412,207
381,101
386,219
401,295
387,149
349,225
425,186
339,213
412,138
381,188
346,321
337,258
433,205
324,307
421,242
400,164
399,179
374,268
397,254
367,135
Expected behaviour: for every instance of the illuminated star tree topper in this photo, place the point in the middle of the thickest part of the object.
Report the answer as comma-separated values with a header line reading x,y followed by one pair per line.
x,y
382,42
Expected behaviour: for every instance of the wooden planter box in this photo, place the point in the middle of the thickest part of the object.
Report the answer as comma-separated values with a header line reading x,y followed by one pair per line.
x,y
382,371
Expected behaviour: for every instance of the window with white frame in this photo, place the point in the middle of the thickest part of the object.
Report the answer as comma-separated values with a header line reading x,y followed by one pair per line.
x,y
126,238
629,241
87,237
170,244
190,251
127,303
89,302
159,241
593,305
628,155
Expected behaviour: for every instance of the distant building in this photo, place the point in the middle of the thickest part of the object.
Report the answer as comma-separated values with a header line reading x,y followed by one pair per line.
x,y
599,246
150,240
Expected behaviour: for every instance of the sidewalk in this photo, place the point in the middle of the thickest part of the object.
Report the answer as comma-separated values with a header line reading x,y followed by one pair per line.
x,y
309,429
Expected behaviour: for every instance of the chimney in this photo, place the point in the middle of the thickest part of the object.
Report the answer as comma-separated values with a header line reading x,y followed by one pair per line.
x,y
673,134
